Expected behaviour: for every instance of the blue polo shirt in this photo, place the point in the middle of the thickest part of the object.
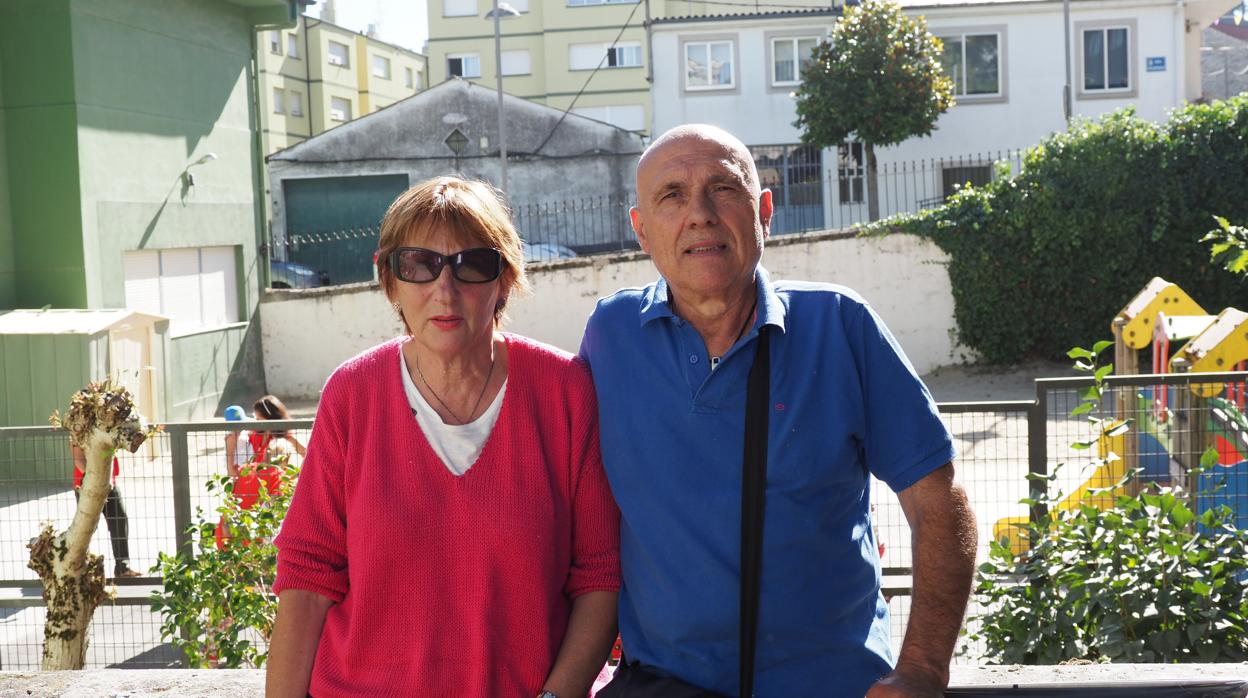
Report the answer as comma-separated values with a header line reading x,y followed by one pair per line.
x,y
846,404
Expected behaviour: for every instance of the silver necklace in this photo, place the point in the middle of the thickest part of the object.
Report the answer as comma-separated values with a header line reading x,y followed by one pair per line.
x,y
442,402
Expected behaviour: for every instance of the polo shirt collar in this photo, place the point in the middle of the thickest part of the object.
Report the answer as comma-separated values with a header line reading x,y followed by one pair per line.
x,y
655,303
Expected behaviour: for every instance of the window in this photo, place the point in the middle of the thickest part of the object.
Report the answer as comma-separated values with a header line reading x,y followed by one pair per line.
x,y
295,100
275,43
459,8
973,62
381,67
1106,59
340,109
708,65
519,5
408,78
956,177
464,65
279,101
789,56
196,288
851,172
581,3
626,54
793,174
339,54
292,45
517,62
631,117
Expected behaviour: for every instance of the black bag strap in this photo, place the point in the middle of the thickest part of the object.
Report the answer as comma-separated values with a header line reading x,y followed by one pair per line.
x,y
753,488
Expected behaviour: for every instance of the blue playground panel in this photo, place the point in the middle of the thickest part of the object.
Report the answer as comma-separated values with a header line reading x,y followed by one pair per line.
x,y
1224,485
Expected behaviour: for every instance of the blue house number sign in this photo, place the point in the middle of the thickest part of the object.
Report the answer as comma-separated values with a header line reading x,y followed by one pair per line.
x,y
1155,64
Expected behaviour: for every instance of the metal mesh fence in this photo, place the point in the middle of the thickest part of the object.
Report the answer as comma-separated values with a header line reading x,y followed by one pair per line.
x,y
163,489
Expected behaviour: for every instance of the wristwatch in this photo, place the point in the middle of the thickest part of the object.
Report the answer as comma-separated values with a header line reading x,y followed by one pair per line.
x,y
546,694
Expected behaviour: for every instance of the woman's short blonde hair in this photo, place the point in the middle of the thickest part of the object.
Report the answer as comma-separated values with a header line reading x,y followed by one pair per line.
x,y
469,210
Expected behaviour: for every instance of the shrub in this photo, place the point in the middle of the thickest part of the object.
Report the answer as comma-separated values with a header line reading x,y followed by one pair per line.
x,y
217,602
1134,196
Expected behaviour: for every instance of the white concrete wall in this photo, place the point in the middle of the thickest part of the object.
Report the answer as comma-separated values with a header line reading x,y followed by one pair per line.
x,y
1032,68
306,334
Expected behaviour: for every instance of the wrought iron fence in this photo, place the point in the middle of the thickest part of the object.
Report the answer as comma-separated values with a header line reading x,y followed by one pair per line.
x,y
802,201
1176,418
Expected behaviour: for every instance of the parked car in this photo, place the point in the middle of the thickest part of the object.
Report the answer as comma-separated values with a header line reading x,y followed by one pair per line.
x,y
293,275
546,252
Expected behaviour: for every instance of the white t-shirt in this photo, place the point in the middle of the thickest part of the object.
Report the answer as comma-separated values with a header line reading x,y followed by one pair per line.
x,y
458,445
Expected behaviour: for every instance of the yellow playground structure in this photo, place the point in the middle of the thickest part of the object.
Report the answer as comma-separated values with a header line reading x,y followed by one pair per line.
x,y
1171,427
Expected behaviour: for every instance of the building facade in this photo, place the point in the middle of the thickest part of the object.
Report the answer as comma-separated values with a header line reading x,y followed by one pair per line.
x,y
590,55
130,167
318,75
1008,64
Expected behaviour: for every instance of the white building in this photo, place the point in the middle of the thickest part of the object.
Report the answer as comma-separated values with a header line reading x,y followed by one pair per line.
x,y
1007,58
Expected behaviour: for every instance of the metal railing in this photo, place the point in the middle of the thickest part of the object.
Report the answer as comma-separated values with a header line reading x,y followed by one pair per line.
x,y
999,445
802,200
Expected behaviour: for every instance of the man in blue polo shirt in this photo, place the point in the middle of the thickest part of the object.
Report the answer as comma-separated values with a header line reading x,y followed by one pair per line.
x,y
670,363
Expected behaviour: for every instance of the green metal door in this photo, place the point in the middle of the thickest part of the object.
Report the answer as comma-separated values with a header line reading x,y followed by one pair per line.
x,y
332,222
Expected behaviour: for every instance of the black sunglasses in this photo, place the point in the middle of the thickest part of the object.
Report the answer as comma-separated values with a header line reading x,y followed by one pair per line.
x,y
416,265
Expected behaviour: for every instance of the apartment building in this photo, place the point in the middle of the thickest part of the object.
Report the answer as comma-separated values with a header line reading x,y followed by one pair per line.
x,y
318,75
592,55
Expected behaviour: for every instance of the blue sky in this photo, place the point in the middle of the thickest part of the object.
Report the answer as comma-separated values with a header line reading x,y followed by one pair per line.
x,y
402,22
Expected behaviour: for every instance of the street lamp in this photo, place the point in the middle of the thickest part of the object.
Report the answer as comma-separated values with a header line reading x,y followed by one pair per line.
x,y
501,11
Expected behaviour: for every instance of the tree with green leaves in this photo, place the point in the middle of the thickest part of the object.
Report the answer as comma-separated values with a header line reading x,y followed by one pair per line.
x,y
879,78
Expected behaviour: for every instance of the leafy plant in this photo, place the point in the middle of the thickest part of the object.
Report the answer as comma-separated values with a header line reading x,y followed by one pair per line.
x,y
216,603
1230,246
878,77
1143,580
1136,195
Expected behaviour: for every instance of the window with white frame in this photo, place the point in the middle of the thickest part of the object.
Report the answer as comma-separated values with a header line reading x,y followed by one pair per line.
x,y
339,54
292,45
851,172
708,65
275,43
294,100
196,287
381,67
625,54
464,65
519,5
1106,58
973,61
517,62
459,8
789,56
340,109
582,3
279,100
630,117
409,80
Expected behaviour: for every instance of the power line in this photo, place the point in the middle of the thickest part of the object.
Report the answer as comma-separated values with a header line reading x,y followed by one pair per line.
x,y
572,104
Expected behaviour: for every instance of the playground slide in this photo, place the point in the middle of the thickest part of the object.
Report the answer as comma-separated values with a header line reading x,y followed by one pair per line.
x,y
1104,480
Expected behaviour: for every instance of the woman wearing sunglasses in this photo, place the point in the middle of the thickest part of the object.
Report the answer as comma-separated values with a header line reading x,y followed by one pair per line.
x,y
452,532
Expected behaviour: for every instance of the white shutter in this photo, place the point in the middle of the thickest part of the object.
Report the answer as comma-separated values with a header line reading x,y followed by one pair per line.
x,y
517,62
219,284
459,8
142,272
179,289
585,56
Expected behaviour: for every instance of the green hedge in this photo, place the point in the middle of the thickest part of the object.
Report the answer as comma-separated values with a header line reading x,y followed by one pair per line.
x,y
1042,262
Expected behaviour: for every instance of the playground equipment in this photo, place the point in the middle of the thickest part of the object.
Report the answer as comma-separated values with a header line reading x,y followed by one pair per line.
x,y
1171,426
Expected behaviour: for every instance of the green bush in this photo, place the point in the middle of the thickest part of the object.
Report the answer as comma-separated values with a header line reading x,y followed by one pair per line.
x,y
216,603
1040,261
1143,580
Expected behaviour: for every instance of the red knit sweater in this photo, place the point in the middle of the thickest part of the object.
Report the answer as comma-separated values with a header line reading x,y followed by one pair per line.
x,y
446,585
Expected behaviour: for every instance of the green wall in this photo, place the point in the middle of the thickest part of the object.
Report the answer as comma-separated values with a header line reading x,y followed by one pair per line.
x,y
8,280
40,129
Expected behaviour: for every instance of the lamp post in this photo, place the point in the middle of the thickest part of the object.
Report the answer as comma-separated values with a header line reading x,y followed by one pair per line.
x,y
501,11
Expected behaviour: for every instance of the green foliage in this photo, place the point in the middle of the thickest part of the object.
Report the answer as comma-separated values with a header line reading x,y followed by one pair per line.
x,y
1134,196
1143,580
1230,246
215,604
878,77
